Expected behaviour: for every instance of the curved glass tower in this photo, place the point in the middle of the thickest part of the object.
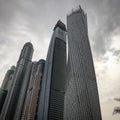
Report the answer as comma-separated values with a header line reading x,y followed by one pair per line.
x,y
81,97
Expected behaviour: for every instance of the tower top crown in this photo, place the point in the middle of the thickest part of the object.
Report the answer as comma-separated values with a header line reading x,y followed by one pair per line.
x,y
77,9
61,25
28,44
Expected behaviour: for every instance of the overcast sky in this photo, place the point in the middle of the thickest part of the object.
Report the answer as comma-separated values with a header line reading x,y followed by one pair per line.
x,y
25,20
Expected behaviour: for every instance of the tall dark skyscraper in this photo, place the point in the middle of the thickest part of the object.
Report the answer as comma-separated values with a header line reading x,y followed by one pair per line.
x,y
81,97
51,103
15,98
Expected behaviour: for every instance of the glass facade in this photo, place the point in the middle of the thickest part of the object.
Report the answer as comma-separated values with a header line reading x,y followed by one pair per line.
x,y
57,81
51,103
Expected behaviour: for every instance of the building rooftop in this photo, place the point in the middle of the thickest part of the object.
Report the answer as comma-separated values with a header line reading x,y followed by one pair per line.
x,y
78,9
28,44
61,25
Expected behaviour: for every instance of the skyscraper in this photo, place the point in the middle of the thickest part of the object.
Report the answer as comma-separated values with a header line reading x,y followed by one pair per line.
x,y
51,102
15,98
81,97
6,85
29,111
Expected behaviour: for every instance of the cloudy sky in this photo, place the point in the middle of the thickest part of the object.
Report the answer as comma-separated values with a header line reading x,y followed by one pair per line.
x,y
33,20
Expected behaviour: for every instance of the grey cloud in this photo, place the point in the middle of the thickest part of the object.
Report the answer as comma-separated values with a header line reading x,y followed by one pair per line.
x,y
116,53
108,22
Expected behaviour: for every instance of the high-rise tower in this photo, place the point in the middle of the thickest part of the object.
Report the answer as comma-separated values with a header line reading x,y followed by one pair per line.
x,y
15,98
29,111
51,102
81,97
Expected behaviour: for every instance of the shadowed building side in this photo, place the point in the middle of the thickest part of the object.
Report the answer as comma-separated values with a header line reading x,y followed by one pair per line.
x,y
81,96
15,98
51,102
29,111
6,85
